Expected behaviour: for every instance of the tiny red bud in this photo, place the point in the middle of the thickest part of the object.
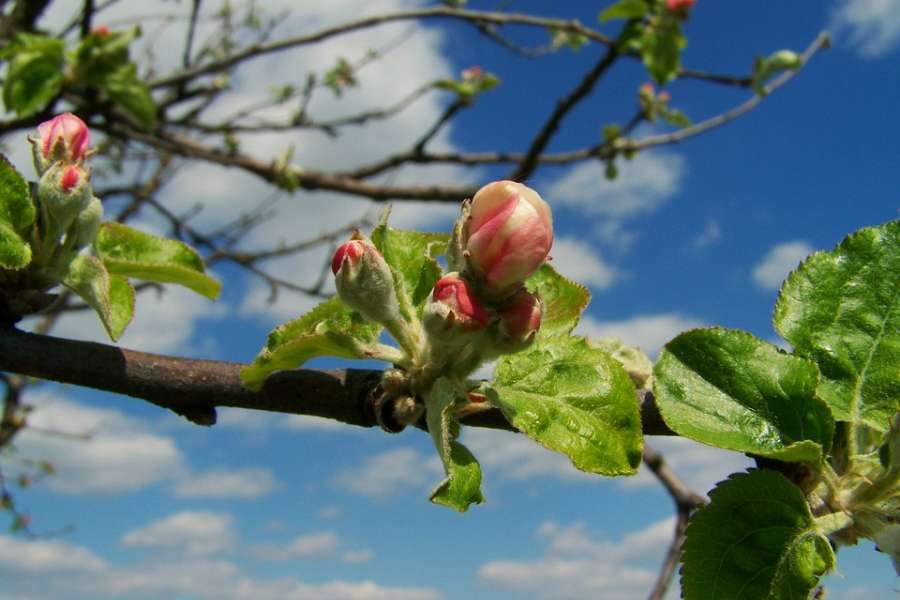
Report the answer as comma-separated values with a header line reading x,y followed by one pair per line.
x,y
101,31
454,292
521,319
681,7
471,73
352,251
70,177
68,130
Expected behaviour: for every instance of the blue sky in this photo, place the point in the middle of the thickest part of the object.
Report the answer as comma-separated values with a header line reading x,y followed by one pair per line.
x,y
273,506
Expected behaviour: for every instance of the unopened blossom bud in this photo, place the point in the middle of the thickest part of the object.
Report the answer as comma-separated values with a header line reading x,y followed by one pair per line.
x,y
471,73
453,305
63,191
72,175
63,138
680,7
520,320
509,235
101,31
364,281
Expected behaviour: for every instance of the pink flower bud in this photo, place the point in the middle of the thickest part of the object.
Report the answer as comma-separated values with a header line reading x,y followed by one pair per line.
x,y
647,90
100,31
471,73
521,318
65,129
454,293
681,7
509,235
352,251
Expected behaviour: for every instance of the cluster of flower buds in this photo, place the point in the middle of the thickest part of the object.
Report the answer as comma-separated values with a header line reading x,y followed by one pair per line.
x,y
479,310
70,213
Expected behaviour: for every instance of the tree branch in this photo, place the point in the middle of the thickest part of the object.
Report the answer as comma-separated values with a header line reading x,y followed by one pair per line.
x,y
194,388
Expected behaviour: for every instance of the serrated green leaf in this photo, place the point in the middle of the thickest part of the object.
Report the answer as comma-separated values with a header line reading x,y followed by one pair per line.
x,y
16,207
564,301
755,539
413,255
661,51
625,9
842,309
133,253
330,329
35,73
573,399
125,89
729,389
15,253
112,297
462,487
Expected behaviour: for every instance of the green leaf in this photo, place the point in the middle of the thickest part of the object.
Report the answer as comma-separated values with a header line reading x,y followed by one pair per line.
x,y
127,251
764,69
126,89
625,9
330,329
35,72
111,296
15,253
755,539
842,309
462,487
16,208
573,399
413,255
564,301
729,389
661,50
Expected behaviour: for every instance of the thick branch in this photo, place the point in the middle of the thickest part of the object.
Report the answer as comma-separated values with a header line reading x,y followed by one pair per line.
x,y
193,388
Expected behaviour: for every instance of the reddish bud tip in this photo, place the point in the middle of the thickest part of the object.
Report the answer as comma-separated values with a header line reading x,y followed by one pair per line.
x,y
681,7
455,292
70,177
101,31
522,317
352,251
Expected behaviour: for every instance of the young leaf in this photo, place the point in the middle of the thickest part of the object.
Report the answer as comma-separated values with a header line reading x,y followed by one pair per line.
x,y
764,69
35,72
573,399
15,253
111,296
132,253
412,254
16,208
329,329
660,50
755,539
625,9
564,300
842,309
729,389
128,91
462,487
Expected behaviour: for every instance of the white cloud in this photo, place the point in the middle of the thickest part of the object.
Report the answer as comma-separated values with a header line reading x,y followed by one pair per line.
x,y
647,332
778,262
576,566
699,466
312,545
390,472
711,234
581,262
357,556
194,533
62,570
163,322
120,456
873,26
644,184
513,456
223,483
46,556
